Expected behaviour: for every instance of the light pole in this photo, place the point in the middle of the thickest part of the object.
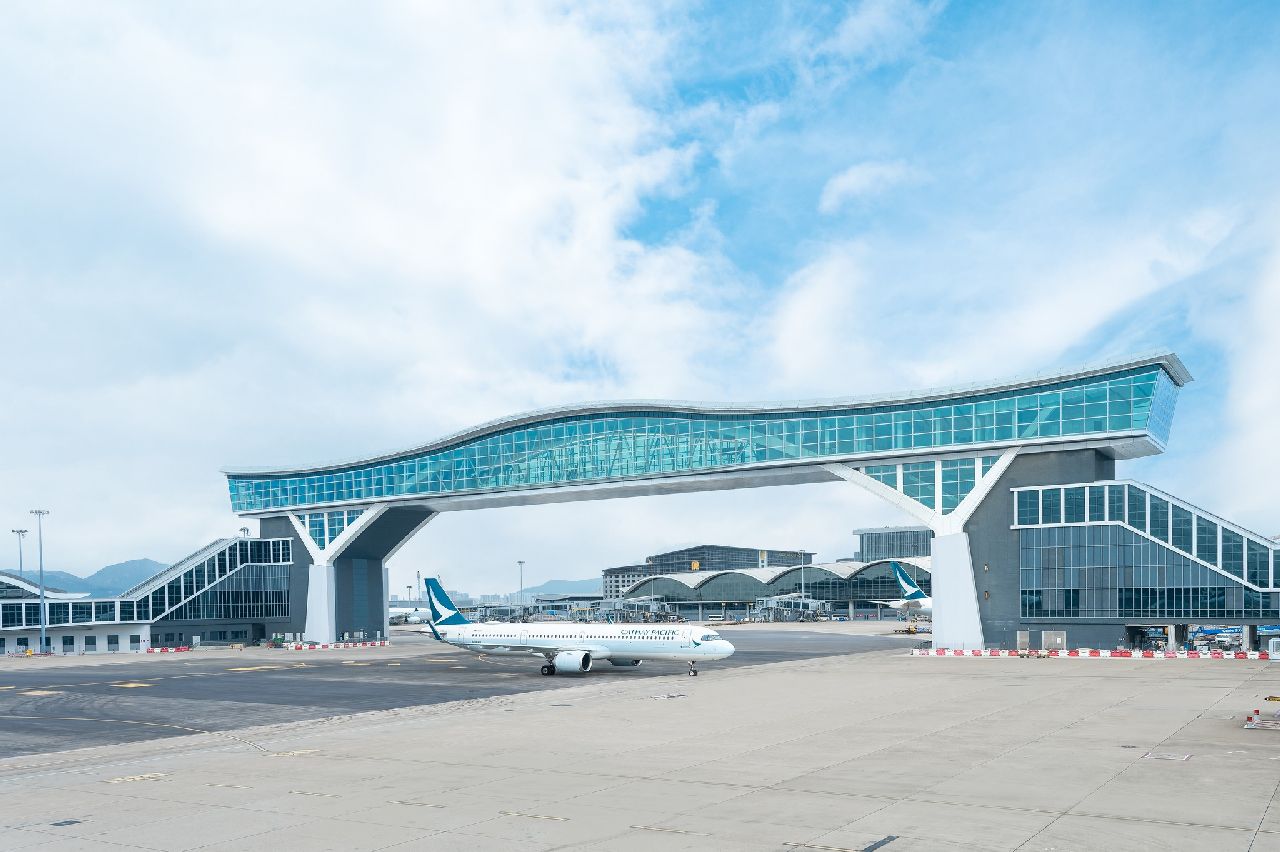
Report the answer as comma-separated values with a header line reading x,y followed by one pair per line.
x,y
802,556
520,591
408,593
417,590
21,534
40,513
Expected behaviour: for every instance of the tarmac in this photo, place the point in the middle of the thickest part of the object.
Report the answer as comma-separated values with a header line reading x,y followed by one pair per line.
x,y
867,751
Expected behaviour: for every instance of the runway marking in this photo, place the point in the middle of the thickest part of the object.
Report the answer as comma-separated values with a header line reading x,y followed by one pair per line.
x,y
457,667
442,661
132,685
354,663
393,664
230,786
882,842
534,816
296,753
148,776
309,793
246,669
669,830
416,804
39,692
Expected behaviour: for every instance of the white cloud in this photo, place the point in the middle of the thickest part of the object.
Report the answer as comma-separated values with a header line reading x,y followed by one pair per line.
x,y
863,180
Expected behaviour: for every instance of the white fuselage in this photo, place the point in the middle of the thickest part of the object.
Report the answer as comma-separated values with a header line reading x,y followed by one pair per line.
x,y
604,642
919,606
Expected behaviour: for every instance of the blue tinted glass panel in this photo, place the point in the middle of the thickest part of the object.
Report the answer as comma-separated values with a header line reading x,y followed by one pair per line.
x,y
1207,540
1097,503
886,473
1159,518
1051,506
1115,503
1180,529
1137,508
918,482
1028,507
1257,564
958,478
1073,505
1232,553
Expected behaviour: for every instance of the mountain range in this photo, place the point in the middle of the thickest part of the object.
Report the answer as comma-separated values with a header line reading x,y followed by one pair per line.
x,y
567,587
105,582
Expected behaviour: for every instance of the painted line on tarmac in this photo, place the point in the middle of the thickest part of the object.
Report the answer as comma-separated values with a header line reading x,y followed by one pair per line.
x,y
146,776
670,830
415,804
311,793
132,685
534,816
184,728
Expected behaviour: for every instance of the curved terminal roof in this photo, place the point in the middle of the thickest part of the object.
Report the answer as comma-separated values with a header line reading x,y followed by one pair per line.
x,y
839,570
1128,399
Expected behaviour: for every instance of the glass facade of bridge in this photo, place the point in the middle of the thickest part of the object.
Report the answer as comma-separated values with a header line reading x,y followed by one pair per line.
x,y
613,446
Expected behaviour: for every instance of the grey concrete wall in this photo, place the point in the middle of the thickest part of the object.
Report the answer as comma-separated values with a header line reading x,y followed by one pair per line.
x,y
358,588
994,547
298,574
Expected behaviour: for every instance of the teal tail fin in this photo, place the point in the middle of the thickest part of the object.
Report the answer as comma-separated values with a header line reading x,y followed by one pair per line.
x,y
910,591
442,609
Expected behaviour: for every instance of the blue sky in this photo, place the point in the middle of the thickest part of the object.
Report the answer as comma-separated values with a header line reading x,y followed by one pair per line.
x,y
299,233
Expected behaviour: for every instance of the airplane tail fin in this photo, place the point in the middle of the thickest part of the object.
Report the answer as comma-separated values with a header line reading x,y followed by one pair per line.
x,y
442,610
910,591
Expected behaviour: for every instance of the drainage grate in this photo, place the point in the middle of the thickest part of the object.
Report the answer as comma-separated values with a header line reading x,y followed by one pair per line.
x,y
63,822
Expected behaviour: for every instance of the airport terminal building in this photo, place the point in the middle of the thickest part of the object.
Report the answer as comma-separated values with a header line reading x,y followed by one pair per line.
x,y
1016,481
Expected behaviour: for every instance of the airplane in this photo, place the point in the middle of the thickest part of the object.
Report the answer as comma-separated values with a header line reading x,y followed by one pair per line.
x,y
404,615
570,647
913,601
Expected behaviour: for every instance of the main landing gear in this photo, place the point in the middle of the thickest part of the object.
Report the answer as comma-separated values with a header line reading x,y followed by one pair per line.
x,y
693,671
548,669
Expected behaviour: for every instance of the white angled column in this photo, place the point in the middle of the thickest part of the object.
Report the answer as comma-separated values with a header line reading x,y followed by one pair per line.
x,y
321,604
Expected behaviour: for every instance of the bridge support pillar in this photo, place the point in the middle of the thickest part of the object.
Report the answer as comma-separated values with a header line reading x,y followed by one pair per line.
x,y
321,625
956,622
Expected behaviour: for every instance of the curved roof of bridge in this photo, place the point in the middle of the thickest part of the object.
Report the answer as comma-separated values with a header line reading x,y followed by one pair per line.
x,y
1166,359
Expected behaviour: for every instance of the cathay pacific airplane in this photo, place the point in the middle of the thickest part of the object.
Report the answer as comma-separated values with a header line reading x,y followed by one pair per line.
x,y
570,647
913,601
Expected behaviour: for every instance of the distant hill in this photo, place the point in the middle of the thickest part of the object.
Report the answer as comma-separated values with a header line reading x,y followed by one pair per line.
x,y
103,583
568,587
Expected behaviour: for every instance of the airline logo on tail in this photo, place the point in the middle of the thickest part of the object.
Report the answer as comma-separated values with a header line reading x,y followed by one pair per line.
x,y
910,591
442,609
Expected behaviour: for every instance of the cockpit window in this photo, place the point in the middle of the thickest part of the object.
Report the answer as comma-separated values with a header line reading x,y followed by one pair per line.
x,y
709,637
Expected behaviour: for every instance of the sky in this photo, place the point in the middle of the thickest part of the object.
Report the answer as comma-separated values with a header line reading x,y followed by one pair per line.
x,y
298,232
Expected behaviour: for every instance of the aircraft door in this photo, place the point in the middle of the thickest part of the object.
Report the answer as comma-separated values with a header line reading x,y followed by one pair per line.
x,y
524,637
684,638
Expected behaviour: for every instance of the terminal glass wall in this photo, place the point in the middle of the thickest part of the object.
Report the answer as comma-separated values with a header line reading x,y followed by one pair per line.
x,y
875,582
1106,571
623,445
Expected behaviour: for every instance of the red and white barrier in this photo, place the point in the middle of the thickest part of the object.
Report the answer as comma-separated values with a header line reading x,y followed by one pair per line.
x,y
167,650
1095,653
299,646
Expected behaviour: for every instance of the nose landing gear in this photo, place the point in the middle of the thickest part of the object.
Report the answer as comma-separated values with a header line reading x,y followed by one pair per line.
x,y
693,670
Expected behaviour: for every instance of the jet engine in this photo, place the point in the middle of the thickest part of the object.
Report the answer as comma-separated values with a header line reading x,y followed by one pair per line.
x,y
572,661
